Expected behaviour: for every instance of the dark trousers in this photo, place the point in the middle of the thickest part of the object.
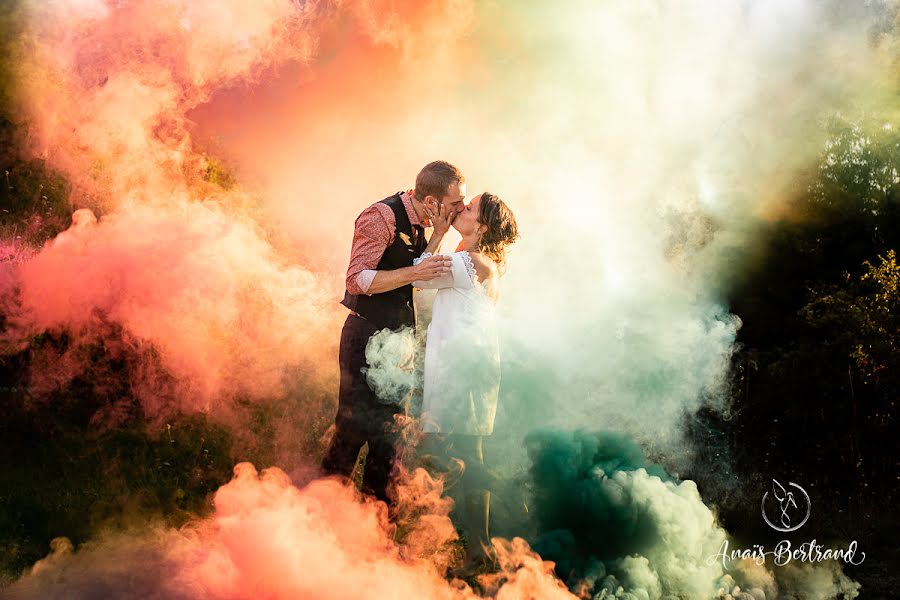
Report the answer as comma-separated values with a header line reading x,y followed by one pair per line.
x,y
361,416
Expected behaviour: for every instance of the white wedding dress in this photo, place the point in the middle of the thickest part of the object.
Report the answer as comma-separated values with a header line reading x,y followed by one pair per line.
x,y
462,358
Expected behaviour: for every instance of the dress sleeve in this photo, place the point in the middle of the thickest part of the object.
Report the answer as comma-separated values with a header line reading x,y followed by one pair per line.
x,y
460,275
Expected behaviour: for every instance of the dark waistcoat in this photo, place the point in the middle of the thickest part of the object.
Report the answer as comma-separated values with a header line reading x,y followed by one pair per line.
x,y
392,309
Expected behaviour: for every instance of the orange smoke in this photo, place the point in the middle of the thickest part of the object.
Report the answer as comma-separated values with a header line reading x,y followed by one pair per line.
x,y
354,124
236,292
270,539
225,314
107,85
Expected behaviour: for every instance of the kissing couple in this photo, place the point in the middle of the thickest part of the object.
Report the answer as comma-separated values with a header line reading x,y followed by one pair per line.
x,y
395,250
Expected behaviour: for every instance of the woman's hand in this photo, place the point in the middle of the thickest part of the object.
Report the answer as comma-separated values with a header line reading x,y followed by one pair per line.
x,y
440,220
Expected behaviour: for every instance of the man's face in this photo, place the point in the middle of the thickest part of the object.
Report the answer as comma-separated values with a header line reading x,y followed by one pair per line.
x,y
455,200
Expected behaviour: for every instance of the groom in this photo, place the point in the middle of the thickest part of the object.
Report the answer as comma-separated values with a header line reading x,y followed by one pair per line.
x,y
388,235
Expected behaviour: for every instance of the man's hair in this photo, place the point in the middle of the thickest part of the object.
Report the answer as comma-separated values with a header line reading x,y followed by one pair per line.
x,y
435,178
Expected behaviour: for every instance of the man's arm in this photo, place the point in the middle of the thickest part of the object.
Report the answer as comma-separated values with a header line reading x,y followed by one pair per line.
x,y
426,270
373,233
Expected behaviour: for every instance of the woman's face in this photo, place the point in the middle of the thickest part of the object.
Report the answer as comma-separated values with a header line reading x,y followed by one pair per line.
x,y
466,222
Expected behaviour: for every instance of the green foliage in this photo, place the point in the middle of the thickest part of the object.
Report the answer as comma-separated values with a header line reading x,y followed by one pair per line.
x,y
859,168
11,22
84,458
218,174
887,277
61,479
818,372
34,200
860,315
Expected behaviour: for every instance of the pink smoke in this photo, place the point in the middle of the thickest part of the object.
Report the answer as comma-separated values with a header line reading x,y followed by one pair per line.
x,y
106,86
227,316
178,263
234,288
269,539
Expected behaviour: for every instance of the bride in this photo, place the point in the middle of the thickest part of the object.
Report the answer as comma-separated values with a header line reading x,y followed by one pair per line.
x,y
462,360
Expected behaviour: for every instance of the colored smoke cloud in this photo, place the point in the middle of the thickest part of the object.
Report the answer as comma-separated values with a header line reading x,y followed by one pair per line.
x,y
178,263
619,133
225,314
268,538
105,88
639,145
621,526
642,147
649,537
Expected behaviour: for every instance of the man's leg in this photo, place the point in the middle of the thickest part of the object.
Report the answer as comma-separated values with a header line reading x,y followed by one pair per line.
x,y
361,416
383,440
350,427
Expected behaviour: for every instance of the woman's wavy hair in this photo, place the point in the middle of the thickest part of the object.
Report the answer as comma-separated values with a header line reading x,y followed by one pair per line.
x,y
501,228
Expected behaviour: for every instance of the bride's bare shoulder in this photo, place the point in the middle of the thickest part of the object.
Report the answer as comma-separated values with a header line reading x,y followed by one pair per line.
x,y
484,266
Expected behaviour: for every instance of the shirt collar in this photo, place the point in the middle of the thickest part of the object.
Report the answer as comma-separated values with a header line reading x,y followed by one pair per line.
x,y
407,199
